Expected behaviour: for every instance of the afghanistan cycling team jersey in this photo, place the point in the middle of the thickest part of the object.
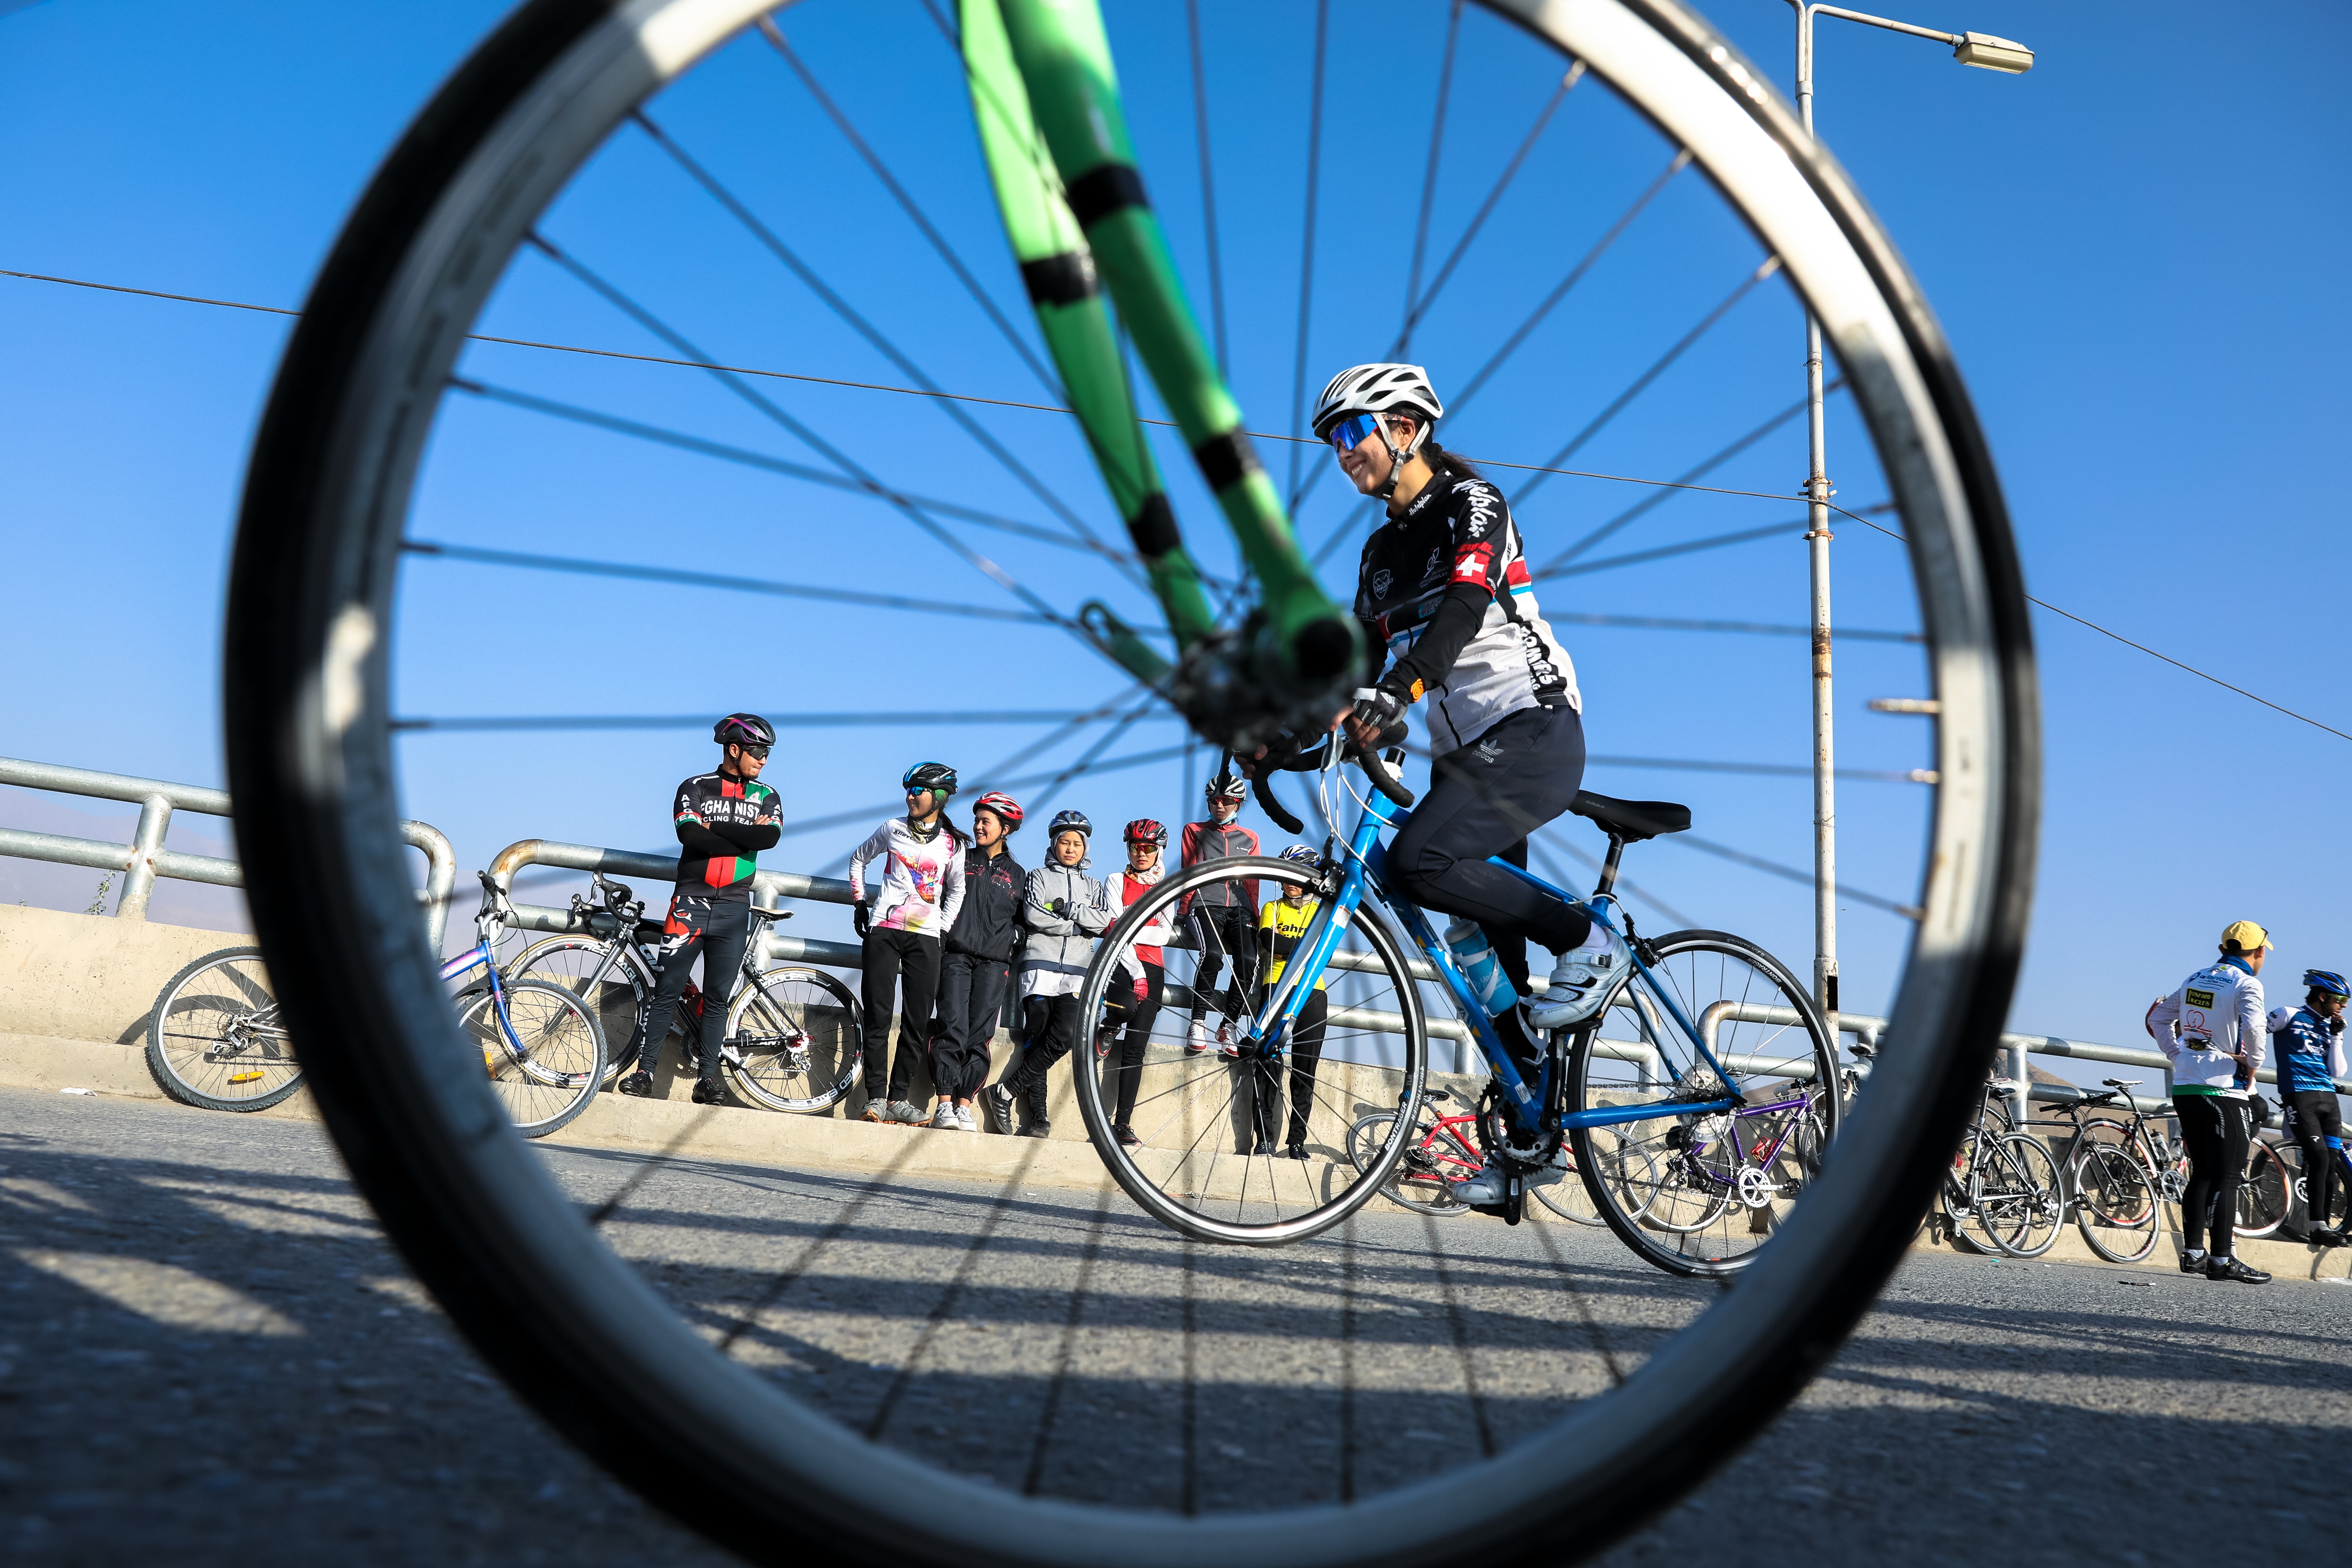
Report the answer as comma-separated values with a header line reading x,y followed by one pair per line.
x,y
1444,592
723,822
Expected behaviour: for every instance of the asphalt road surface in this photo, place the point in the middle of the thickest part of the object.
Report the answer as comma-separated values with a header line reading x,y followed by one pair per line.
x,y
208,1355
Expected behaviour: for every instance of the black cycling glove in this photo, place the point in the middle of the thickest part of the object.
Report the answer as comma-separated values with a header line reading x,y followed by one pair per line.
x,y
861,918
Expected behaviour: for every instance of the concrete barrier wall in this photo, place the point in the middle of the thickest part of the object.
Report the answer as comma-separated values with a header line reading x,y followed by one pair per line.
x,y
88,977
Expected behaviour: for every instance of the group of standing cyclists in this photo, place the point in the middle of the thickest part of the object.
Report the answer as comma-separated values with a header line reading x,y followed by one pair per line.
x,y
2215,1031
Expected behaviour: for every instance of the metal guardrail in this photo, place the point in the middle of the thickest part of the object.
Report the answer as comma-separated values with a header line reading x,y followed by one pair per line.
x,y
769,886
145,859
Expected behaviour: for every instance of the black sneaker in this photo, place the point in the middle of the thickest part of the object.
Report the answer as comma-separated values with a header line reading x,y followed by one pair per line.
x,y
1127,1137
2230,1268
708,1093
2193,1260
998,1101
2329,1238
1296,1151
1041,1128
639,1085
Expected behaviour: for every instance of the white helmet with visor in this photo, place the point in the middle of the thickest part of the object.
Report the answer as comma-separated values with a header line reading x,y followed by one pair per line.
x,y
1358,402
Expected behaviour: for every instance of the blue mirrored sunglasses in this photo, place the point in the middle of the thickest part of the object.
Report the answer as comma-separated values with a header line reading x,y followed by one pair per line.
x,y
1348,434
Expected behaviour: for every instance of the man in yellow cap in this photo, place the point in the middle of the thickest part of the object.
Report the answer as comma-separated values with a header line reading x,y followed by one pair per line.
x,y
2214,1032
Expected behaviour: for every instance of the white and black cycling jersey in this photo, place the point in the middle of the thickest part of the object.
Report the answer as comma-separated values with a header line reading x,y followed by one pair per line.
x,y
2207,1022
1446,599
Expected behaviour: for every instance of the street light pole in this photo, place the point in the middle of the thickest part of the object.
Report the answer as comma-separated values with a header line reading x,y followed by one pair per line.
x,y
1983,51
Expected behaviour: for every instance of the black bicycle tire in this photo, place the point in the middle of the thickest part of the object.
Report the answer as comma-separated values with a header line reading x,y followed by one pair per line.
x,y
1634,1232
740,1086
1102,1130
2256,1152
304,690
2014,1149
159,1058
630,963
2094,1236
588,1091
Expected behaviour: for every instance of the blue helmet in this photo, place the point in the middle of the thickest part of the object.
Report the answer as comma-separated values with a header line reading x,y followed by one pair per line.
x,y
2327,979
1065,820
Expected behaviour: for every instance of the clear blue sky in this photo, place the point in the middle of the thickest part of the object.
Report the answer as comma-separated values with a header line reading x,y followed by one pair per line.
x,y
2136,249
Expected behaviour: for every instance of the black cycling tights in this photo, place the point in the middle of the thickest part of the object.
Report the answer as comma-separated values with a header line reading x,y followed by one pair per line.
x,y
2317,1121
1484,799
715,931
2215,1130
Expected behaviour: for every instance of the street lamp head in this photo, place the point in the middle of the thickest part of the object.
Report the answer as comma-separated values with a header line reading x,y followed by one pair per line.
x,y
1989,53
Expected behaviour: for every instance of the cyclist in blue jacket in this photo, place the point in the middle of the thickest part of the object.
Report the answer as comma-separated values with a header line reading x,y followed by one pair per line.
x,y
2310,1045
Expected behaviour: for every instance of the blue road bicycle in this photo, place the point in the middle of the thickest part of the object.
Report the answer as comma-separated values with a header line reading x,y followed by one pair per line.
x,y
1695,1107
538,1046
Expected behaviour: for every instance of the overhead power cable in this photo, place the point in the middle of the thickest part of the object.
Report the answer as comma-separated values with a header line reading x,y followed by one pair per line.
x,y
1689,546
2128,642
988,520
1683,481
1776,770
774,35
722,581
1787,873
818,444
867,487
1752,628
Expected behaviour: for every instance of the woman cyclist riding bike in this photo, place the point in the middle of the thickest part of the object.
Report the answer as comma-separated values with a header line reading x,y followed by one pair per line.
x,y
1450,617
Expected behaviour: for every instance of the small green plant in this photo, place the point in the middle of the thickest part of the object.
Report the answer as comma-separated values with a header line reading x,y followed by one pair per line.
x,y
97,904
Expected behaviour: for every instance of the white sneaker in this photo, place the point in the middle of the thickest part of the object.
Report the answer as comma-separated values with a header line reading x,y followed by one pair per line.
x,y
965,1121
1485,1187
1582,981
943,1117
1196,1039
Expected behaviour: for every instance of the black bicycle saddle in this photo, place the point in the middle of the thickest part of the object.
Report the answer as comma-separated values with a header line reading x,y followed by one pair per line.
x,y
1631,820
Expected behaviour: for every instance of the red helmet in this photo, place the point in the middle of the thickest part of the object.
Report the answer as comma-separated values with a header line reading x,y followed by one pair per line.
x,y
1143,830
1007,810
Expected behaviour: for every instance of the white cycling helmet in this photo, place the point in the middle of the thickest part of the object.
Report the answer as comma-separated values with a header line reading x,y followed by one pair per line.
x,y
1380,389
1377,389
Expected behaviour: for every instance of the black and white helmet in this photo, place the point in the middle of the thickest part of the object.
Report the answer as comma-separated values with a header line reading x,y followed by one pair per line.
x,y
1378,389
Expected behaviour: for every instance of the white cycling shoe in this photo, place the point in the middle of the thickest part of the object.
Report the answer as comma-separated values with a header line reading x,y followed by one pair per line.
x,y
1486,1186
1580,982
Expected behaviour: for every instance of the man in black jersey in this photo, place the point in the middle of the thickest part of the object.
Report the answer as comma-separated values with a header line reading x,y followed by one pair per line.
x,y
724,819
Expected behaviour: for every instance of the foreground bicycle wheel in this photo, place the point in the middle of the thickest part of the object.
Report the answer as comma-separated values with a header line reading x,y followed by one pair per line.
x,y
748,1454
1700,1194
216,1040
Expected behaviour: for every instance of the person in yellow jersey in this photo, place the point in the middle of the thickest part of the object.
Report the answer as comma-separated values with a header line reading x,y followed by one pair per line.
x,y
1280,925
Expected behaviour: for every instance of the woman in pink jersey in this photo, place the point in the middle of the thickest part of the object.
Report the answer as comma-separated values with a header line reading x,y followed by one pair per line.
x,y
1132,1004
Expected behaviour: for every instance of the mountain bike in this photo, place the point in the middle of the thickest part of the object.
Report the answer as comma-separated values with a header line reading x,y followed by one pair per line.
x,y
337,602
1694,1126
792,1033
540,1049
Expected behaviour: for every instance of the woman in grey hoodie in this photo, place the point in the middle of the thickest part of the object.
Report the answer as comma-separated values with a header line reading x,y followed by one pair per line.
x,y
1065,911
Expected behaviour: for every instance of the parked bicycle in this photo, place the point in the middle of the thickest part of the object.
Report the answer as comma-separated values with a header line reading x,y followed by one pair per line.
x,y
1443,1149
793,1039
216,1039
541,1047
1687,1107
